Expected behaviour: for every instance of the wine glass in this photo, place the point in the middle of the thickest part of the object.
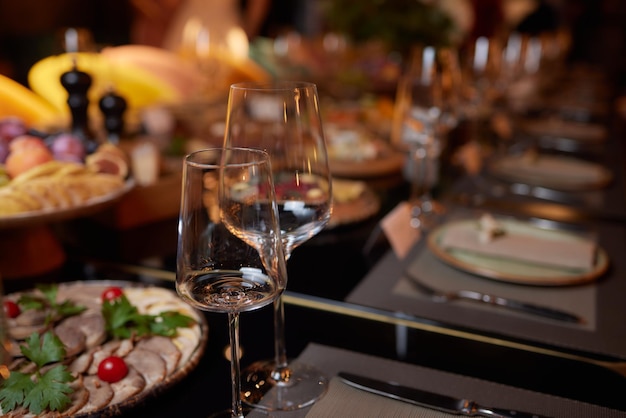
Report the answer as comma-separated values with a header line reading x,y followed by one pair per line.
x,y
426,109
230,256
283,118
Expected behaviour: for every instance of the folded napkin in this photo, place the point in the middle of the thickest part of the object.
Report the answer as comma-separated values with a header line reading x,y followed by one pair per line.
x,y
522,242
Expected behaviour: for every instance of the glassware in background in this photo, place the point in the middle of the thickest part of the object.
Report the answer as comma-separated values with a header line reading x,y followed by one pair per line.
x,y
283,118
230,257
426,108
481,66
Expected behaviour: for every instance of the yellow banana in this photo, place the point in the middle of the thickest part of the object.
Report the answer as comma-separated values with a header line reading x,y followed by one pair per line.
x,y
140,88
18,100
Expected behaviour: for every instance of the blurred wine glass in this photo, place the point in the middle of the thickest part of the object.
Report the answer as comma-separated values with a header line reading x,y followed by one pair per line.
x,y
426,109
283,118
230,257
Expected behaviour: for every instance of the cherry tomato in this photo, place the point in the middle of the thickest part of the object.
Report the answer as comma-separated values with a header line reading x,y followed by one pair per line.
x,y
112,293
112,369
11,309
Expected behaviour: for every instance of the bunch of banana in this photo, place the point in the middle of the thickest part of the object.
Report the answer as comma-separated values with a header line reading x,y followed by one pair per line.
x,y
56,185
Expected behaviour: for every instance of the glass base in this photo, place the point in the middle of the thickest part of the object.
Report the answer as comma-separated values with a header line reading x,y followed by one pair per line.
x,y
426,214
303,385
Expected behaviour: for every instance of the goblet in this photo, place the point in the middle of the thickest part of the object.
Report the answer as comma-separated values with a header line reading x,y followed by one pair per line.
x,y
230,256
426,109
283,119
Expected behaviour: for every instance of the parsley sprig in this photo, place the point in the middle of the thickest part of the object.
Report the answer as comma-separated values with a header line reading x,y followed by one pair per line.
x,y
47,301
45,389
123,320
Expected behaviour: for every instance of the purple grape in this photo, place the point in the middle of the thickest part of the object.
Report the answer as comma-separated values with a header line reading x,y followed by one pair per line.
x,y
68,147
12,127
4,150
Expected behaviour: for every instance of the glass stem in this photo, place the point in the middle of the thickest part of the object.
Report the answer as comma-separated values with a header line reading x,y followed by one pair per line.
x,y
280,372
235,372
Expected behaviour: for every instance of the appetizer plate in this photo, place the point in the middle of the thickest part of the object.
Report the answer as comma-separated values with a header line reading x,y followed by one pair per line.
x,y
360,208
510,269
555,172
191,341
90,207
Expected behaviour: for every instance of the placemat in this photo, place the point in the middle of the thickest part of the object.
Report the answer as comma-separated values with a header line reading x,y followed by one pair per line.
x,y
600,302
346,402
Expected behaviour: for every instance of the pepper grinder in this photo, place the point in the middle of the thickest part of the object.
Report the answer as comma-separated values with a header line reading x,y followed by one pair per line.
x,y
113,107
77,84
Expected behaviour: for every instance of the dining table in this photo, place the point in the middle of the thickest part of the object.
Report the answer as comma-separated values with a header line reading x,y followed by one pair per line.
x,y
351,305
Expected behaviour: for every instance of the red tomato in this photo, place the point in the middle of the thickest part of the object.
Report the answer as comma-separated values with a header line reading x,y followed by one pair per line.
x,y
11,309
112,369
112,293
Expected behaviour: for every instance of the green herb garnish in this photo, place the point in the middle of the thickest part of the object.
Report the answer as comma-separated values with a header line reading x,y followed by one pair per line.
x,y
39,390
123,320
48,301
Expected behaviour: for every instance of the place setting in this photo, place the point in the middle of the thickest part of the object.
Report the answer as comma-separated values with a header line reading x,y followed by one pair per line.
x,y
522,277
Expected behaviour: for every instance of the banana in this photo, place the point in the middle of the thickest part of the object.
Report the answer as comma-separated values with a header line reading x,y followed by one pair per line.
x,y
18,100
164,64
139,87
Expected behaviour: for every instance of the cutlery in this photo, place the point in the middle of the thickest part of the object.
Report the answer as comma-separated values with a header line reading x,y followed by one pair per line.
x,y
529,308
430,400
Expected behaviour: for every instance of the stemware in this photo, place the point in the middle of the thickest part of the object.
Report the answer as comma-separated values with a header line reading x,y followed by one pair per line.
x,y
283,118
426,109
230,255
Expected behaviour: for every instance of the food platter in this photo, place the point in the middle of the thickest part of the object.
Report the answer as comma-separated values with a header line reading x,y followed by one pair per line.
x,y
44,216
151,300
364,206
512,269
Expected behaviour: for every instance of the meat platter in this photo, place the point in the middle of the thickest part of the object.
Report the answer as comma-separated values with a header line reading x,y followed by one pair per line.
x,y
154,362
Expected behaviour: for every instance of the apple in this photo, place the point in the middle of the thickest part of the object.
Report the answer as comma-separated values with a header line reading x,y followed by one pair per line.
x,y
23,159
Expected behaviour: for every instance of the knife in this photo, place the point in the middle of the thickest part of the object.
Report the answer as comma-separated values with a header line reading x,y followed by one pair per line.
x,y
430,400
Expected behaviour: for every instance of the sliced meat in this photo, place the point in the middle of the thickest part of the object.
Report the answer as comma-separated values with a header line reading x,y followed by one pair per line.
x,y
129,386
91,324
21,332
149,364
31,317
125,347
82,294
80,365
79,398
164,347
100,394
72,338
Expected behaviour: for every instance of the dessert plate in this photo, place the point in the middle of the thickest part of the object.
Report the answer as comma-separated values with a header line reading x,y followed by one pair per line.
x,y
525,254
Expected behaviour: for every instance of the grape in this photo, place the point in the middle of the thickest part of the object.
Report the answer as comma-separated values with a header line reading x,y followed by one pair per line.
x,y
4,150
68,147
11,127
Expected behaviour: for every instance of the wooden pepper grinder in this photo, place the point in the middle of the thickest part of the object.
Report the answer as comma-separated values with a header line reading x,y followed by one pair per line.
x,y
113,107
77,84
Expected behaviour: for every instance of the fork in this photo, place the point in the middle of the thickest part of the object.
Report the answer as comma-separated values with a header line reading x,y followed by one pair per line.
x,y
437,295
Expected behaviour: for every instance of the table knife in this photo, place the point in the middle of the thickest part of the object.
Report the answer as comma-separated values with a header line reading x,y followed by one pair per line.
x,y
430,400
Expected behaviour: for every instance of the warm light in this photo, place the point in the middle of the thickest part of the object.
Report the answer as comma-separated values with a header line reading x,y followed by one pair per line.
x,y
237,43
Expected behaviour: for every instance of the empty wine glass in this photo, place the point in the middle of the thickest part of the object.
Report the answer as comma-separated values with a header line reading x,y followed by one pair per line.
x,y
230,256
426,109
283,118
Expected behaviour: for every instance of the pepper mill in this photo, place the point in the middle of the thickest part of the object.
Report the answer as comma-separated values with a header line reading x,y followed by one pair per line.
x,y
113,107
77,84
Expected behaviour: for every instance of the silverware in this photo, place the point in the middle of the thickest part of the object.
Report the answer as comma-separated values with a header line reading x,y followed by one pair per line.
x,y
430,400
529,308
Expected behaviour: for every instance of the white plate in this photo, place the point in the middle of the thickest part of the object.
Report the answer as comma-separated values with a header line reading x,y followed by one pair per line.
x,y
556,172
511,270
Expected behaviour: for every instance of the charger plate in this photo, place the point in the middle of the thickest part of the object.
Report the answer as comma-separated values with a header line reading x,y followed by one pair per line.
x,y
511,270
556,172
